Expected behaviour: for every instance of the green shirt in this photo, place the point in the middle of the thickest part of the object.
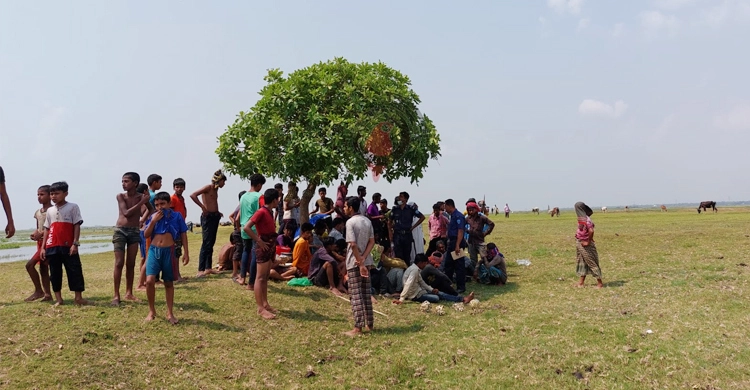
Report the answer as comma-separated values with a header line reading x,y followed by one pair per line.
x,y
248,207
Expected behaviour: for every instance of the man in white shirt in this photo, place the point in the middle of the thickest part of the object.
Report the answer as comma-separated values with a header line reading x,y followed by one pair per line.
x,y
417,290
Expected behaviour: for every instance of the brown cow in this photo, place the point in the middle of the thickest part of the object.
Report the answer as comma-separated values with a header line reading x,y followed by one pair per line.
x,y
663,208
554,212
707,204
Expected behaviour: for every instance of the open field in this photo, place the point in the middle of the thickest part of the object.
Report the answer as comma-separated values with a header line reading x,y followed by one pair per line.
x,y
681,275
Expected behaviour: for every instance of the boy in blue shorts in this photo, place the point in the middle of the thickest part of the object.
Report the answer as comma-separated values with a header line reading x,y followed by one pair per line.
x,y
164,228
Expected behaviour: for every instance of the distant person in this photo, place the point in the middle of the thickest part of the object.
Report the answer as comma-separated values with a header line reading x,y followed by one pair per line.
x,y
127,235
586,254
41,288
324,206
403,217
249,205
479,227
10,228
507,211
360,239
265,250
62,230
291,205
210,218
177,203
164,227
341,192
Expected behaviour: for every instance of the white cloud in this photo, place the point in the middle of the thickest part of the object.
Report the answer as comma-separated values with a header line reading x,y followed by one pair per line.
x,y
595,108
582,24
736,119
654,22
726,11
571,6
618,30
542,20
673,4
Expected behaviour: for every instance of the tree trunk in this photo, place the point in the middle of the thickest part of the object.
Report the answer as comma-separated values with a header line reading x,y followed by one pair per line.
x,y
304,202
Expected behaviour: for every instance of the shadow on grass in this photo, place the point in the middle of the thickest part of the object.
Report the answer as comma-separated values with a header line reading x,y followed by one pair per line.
x,y
307,315
313,293
616,283
402,329
199,306
490,291
213,325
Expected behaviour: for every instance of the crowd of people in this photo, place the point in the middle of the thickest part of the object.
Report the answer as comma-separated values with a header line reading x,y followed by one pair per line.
x,y
351,246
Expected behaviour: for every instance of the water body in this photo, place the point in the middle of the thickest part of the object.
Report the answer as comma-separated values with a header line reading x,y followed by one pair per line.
x,y
24,253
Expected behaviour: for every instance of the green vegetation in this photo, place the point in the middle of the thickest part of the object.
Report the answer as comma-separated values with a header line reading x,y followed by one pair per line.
x,y
673,315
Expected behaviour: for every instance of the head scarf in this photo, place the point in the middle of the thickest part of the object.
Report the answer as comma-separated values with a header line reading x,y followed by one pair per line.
x,y
218,176
582,211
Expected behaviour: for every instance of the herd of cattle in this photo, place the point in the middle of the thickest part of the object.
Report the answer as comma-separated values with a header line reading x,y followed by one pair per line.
x,y
555,212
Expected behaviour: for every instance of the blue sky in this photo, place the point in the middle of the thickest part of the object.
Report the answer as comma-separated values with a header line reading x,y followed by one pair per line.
x,y
537,102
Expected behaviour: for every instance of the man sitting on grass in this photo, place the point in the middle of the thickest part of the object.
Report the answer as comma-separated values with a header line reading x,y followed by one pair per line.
x,y
324,269
415,288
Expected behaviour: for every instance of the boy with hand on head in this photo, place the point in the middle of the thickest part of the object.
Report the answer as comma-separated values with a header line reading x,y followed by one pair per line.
x,y
265,249
127,234
41,289
210,218
177,203
164,228
62,229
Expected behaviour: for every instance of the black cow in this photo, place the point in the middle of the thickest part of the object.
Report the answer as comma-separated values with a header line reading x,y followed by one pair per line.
x,y
706,205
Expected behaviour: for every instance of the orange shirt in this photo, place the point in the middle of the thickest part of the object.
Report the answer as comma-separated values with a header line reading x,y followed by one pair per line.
x,y
178,205
301,257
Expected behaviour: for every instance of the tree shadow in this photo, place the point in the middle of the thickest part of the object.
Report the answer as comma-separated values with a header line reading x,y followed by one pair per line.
x,y
401,329
307,315
616,283
486,291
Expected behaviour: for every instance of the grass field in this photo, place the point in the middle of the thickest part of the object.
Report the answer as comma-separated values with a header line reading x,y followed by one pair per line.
x,y
674,314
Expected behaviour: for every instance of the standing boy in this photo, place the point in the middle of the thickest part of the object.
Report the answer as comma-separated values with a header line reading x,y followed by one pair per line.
x,y
41,289
476,222
62,229
249,204
265,249
164,227
127,235
360,239
177,203
210,218
236,240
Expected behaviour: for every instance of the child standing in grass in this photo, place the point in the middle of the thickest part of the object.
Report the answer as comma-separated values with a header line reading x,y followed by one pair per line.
x,y
41,289
62,229
177,203
586,254
164,228
264,237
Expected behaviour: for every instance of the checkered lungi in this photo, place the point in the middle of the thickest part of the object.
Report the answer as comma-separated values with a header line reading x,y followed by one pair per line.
x,y
359,291
588,260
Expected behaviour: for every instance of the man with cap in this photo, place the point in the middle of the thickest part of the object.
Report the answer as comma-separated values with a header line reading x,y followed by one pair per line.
x,y
403,216
478,227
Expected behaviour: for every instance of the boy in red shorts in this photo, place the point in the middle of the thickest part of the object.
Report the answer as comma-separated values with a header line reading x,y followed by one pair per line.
x,y
41,289
265,249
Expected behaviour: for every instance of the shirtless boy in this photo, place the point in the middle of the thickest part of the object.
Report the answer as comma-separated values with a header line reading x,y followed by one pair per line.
x,y
210,218
164,228
41,288
127,235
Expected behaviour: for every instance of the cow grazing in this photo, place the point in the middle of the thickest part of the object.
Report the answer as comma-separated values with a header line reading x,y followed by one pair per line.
x,y
604,209
535,210
555,212
664,208
706,205
627,209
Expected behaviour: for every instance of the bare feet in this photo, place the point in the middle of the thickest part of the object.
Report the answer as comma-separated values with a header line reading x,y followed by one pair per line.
x,y
469,297
211,271
336,292
180,280
272,310
115,302
83,302
369,328
172,319
250,287
599,285
33,297
140,288
372,298
131,298
266,314
579,285
201,274
150,317
354,332
47,298
59,303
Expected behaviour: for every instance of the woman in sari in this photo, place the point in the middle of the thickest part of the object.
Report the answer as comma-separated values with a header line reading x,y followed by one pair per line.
x,y
586,254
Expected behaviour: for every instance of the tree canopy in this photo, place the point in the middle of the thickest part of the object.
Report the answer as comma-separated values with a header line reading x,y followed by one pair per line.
x,y
314,124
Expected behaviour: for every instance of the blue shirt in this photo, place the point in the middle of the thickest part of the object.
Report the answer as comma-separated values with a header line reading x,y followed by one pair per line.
x,y
172,222
404,218
152,195
458,221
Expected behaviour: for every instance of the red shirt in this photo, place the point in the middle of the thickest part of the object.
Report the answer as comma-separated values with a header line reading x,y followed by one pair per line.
x,y
263,221
178,205
60,222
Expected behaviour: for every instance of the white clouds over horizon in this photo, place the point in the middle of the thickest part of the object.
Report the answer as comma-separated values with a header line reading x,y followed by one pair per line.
x,y
562,6
655,22
736,118
595,108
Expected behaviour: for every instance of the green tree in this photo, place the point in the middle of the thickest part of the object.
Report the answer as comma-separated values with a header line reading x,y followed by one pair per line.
x,y
313,125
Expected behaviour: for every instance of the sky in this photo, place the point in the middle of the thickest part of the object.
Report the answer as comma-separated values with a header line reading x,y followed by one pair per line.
x,y
537,102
